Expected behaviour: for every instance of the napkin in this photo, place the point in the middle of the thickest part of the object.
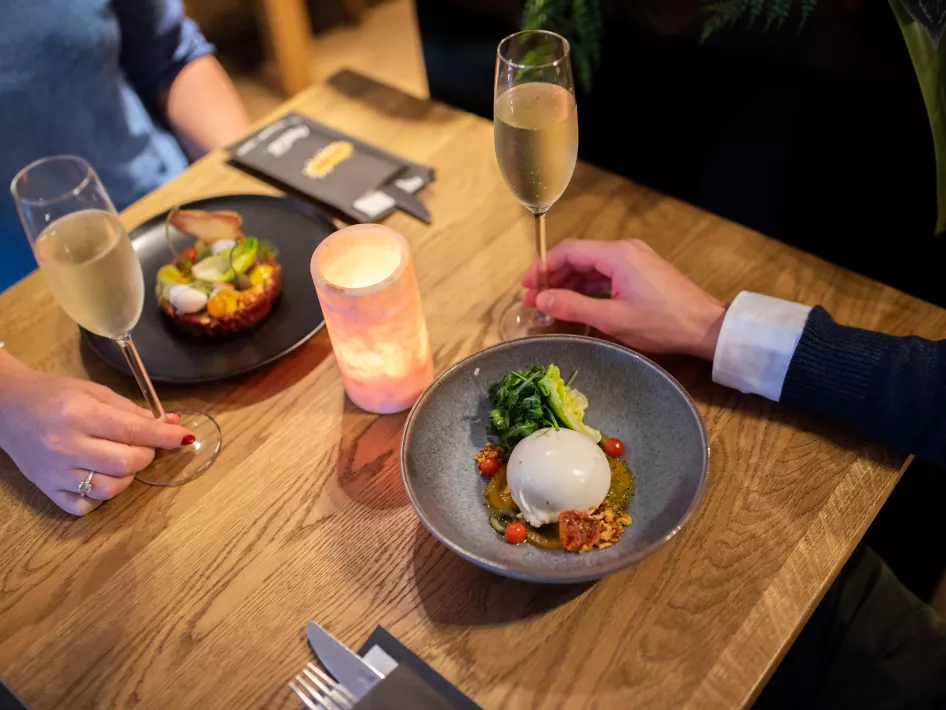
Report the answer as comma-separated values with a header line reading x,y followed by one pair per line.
x,y
8,701
412,678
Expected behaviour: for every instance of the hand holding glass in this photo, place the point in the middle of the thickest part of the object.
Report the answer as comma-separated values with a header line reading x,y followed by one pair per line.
x,y
90,266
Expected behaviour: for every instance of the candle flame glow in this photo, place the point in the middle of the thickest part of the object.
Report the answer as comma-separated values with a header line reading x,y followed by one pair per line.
x,y
361,265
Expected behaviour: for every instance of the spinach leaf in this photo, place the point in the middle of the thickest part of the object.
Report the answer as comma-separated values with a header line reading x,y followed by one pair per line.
x,y
518,406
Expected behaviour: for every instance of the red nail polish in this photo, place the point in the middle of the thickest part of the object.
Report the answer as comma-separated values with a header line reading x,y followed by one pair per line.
x,y
188,440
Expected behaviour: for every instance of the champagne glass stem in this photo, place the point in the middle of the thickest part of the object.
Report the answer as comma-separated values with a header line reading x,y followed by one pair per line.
x,y
138,370
542,272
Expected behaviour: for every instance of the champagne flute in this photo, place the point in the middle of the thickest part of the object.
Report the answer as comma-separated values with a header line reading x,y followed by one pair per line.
x,y
91,268
535,128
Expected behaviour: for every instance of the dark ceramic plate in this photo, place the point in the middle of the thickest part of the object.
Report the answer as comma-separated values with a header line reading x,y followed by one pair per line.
x,y
630,398
171,355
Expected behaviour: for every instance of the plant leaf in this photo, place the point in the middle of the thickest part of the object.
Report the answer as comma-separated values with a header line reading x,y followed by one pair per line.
x,y
931,14
577,20
929,62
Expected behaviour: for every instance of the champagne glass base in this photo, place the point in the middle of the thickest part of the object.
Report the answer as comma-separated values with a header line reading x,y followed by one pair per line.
x,y
178,466
521,322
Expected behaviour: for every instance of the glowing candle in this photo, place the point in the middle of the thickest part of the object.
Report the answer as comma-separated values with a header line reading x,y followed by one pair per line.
x,y
365,279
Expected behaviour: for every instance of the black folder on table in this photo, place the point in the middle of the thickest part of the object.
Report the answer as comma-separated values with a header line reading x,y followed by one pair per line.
x,y
353,177
413,684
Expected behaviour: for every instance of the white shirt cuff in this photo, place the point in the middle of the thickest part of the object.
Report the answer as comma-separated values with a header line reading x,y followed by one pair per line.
x,y
756,343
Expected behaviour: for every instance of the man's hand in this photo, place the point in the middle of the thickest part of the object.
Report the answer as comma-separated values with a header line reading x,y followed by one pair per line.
x,y
652,306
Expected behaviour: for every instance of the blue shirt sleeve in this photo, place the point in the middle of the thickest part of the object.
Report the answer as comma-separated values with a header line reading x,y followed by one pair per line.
x,y
157,41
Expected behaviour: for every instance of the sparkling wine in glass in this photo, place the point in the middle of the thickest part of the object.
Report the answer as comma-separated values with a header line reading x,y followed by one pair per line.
x,y
535,128
91,268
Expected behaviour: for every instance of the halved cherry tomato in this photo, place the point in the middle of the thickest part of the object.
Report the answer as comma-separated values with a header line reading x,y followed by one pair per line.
x,y
259,274
489,466
614,448
578,531
515,533
190,253
222,303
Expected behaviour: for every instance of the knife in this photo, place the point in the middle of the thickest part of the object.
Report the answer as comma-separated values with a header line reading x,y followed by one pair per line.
x,y
349,669
401,194
406,202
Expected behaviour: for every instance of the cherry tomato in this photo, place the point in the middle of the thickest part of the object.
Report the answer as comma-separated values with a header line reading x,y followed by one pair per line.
x,y
489,465
189,253
515,533
578,531
259,274
223,303
614,448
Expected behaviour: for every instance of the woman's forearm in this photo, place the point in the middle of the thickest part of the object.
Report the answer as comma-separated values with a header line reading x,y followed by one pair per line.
x,y
203,107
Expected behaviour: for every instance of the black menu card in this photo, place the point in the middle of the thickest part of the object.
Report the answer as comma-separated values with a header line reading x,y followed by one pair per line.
x,y
329,166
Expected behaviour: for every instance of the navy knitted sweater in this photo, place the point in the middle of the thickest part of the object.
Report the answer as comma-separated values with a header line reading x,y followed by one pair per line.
x,y
893,389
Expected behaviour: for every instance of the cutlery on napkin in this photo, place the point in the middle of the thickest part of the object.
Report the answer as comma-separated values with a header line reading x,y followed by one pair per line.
x,y
385,674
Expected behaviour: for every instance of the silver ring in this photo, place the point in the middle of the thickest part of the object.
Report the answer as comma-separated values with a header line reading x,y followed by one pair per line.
x,y
86,486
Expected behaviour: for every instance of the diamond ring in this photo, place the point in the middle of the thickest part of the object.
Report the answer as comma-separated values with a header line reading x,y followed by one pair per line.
x,y
86,486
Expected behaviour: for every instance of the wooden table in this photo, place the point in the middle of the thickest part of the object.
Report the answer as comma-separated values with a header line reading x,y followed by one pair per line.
x,y
197,597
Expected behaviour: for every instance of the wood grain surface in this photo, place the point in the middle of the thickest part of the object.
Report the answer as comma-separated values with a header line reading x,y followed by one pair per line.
x,y
197,597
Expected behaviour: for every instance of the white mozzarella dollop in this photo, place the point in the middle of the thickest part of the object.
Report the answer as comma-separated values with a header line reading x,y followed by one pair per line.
x,y
186,299
552,471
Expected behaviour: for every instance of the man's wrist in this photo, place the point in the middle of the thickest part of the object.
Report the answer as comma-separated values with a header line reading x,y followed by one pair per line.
x,y
711,323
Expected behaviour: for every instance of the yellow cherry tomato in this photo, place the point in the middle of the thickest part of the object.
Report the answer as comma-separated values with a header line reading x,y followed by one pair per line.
x,y
172,275
222,303
260,274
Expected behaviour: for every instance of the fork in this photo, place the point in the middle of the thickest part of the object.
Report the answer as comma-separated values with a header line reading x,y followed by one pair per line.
x,y
319,691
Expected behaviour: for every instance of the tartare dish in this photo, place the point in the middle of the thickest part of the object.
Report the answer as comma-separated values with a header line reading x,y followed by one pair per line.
x,y
224,284
554,481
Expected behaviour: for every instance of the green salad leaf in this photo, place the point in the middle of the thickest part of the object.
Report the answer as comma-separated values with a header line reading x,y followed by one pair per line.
x,y
568,404
243,255
525,401
214,268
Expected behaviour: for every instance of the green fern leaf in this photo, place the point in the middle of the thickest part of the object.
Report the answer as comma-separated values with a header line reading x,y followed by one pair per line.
x,y
755,10
536,14
807,7
587,38
722,14
778,11
579,21
582,64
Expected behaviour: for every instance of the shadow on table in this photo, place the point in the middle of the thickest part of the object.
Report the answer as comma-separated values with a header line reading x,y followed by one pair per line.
x,y
368,467
234,393
457,593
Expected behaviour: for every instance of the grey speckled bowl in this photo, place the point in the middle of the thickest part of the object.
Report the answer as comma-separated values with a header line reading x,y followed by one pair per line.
x,y
630,398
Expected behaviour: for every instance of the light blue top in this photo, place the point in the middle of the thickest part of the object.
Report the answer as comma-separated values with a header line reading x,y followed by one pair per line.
x,y
83,77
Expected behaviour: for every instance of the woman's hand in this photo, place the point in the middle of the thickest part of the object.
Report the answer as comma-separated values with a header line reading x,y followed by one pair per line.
x,y
57,430
653,307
